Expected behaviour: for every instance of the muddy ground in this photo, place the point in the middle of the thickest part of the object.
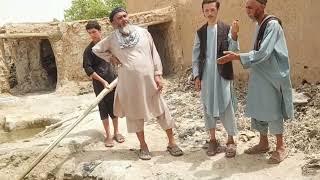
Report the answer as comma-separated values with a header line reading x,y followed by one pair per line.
x,y
82,155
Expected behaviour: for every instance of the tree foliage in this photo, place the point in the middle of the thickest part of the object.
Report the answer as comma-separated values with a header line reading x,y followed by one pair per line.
x,y
91,9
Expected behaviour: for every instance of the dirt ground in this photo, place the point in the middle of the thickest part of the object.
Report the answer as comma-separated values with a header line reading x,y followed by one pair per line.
x,y
82,154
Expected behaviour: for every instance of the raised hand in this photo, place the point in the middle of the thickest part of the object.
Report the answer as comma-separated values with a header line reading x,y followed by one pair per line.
x,y
235,29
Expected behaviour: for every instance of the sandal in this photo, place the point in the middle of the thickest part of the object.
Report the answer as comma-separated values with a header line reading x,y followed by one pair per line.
x,y
108,144
257,150
277,157
144,154
213,148
119,138
175,150
231,150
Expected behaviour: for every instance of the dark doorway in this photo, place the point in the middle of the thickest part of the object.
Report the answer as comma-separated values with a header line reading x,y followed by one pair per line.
x,y
48,62
161,38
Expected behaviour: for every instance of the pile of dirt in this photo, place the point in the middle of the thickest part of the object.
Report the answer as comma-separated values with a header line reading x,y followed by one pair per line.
x,y
82,155
302,133
312,167
186,108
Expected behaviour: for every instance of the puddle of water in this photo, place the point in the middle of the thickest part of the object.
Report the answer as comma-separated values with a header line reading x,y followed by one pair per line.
x,y
18,134
7,100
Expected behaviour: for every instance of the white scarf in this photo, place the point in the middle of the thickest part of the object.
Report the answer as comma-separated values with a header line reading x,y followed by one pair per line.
x,y
128,41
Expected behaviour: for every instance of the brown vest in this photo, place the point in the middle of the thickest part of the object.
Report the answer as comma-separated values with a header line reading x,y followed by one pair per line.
x,y
225,70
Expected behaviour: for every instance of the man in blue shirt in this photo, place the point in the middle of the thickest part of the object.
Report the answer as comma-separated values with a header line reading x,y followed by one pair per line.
x,y
269,100
215,81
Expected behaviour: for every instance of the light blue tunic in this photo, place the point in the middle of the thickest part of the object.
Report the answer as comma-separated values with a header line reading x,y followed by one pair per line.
x,y
270,91
215,90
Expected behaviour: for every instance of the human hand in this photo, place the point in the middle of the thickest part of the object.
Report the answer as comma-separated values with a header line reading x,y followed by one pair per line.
x,y
115,61
158,80
106,84
235,29
197,84
229,56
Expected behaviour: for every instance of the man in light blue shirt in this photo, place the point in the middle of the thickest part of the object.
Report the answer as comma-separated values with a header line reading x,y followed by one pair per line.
x,y
215,81
269,100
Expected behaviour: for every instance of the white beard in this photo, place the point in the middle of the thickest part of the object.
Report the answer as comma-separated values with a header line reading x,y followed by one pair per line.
x,y
254,20
125,30
127,36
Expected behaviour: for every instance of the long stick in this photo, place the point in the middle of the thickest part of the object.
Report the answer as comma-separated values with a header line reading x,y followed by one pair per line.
x,y
58,124
80,118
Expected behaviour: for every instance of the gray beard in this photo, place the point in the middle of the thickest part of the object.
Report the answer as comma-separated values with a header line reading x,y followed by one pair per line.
x,y
253,19
125,30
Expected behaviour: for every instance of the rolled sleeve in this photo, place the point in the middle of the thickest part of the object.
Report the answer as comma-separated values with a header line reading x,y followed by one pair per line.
x,y
89,71
87,63
158,73
233,45
245,59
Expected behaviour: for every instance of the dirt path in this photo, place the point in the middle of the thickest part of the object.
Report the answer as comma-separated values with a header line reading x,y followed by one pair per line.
x,y
85,145
82,153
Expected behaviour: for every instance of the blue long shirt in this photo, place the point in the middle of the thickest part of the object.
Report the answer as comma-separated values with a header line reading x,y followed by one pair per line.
x,y
216,92
270,92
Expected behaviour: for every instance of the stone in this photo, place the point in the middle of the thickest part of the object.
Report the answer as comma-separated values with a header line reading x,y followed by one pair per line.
x,y
312,167
300,98
43,176
9,126
2,121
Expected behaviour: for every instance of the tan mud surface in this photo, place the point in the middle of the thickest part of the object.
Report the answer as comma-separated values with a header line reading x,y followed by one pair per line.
x,y
82,153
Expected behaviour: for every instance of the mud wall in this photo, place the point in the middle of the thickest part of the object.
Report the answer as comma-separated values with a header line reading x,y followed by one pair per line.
x,y
26,72
69,39
66,39
300,19
4,72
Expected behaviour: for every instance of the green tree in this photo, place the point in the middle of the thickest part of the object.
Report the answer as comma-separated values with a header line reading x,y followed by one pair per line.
x,y
91,9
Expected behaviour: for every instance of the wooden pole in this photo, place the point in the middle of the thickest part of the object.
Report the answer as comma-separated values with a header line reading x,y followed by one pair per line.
x,y
58,124
80,118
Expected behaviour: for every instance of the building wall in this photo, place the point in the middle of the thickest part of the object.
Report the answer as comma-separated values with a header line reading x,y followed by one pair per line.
x,y
68,41
4,72
300,20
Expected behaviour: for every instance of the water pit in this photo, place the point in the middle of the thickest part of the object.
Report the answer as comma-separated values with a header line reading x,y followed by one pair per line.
x,y
20,134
